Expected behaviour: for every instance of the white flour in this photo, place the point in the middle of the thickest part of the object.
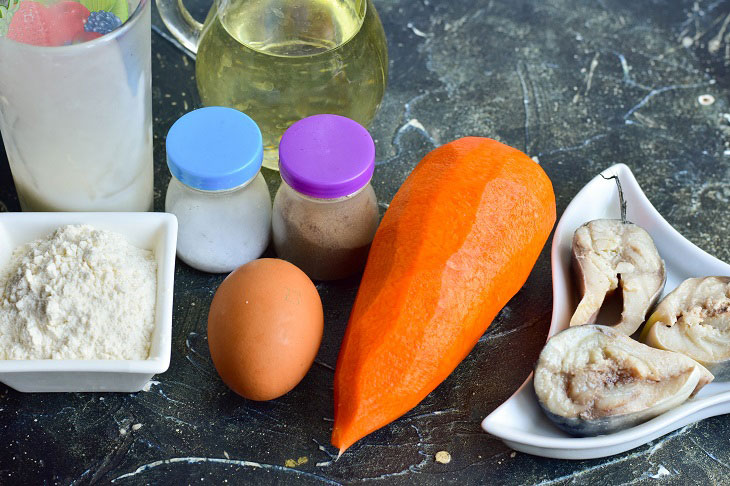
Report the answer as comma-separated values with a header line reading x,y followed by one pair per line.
x,y
79,293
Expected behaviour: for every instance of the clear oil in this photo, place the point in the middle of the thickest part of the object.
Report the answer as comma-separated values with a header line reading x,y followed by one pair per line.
x,y
282,60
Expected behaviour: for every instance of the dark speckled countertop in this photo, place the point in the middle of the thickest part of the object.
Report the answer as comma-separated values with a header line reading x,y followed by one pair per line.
x,y
577,85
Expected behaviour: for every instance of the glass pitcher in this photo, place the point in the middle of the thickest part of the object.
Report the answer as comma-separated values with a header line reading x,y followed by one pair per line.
x,y
282,60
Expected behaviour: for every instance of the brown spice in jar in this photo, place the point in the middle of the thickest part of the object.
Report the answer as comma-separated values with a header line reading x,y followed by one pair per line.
x,y
328,240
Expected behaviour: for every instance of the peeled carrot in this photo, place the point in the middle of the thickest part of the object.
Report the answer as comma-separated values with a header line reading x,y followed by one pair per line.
x,y
457,242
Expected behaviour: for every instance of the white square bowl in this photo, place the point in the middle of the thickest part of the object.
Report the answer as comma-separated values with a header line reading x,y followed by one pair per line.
x,y
152,231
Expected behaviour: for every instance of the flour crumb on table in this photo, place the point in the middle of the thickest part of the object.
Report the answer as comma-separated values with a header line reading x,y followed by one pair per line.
x,y
79,293
296,462
148,386
443,457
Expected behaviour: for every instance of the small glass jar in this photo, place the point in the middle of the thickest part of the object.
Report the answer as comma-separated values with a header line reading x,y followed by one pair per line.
x,y
325,211
217,192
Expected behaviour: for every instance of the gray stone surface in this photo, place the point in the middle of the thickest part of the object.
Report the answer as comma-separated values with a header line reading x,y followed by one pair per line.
x,y
579,86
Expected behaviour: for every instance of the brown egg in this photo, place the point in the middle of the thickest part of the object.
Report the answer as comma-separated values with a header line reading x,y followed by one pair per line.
x,y
264,328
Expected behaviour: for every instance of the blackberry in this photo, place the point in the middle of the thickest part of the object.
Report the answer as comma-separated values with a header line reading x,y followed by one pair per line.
x,y
102,22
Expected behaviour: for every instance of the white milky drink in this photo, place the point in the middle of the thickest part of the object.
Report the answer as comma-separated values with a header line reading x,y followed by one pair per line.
x,y
76,120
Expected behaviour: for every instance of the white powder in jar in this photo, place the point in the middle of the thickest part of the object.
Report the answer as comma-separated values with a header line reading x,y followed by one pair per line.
x,y
80,293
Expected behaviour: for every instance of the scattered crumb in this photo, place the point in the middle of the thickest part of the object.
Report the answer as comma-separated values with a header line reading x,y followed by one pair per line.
x,y
295,463
687,41
149,384
513,455
706,99
535,158
136,426
415,30
226,454
123,431
443,457
661,472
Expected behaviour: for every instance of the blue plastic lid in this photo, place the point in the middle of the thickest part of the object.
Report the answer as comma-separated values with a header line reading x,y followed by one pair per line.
x,y
214,148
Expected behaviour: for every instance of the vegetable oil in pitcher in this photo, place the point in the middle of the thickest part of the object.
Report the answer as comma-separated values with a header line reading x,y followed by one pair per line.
x,y
282,60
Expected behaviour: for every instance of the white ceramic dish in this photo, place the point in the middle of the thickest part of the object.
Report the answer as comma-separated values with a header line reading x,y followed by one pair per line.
x,y
151,231
520,422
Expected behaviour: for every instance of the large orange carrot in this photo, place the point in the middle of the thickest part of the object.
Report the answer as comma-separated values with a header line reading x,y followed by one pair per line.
x,y
457,242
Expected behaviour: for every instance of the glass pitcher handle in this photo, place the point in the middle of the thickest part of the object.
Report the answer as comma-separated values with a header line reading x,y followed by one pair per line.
x,y
180,23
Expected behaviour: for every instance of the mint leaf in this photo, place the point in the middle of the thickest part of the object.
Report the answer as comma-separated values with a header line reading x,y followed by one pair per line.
x,y
96,5
117,7
6,15
121,10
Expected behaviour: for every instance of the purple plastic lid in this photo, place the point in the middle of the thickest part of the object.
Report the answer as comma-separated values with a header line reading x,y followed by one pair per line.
x,y
326,156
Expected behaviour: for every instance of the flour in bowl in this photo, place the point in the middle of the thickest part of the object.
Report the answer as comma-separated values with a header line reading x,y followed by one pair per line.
x,y
80,293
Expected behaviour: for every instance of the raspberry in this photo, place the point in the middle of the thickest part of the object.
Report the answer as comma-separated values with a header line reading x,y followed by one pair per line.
x,y
102,22
66,21
56,25
30,25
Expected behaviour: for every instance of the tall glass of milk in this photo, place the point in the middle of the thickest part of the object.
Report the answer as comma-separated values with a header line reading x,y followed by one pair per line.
x,y
76,113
